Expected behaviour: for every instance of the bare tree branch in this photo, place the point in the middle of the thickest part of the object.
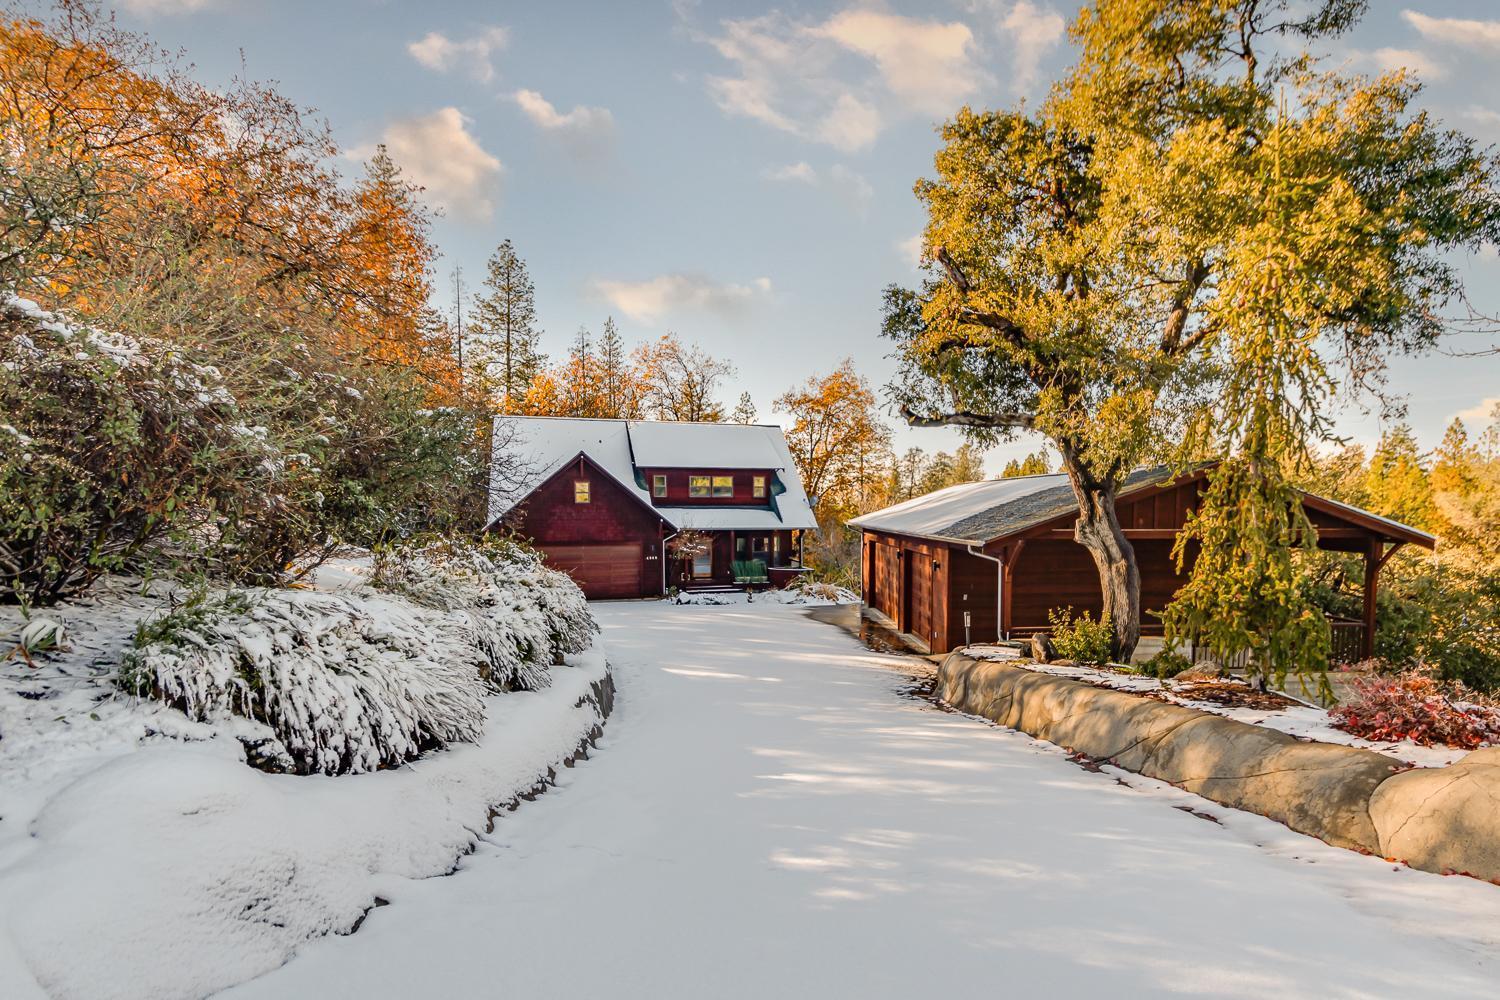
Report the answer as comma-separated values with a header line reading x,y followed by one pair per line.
x,y
965,418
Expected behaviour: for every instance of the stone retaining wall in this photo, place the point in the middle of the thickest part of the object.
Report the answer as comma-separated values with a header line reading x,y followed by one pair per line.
x,y
1437,819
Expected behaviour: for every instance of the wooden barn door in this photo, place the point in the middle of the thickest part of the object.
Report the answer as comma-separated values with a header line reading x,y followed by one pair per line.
x,y
920,567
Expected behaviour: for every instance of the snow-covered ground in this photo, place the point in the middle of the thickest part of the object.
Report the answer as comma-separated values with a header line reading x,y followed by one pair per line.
x,y
141,858
1305,721
769,816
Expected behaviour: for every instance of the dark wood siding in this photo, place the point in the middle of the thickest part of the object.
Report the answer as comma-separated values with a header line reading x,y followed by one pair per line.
x,y
612,518
678,487
1055,573
973,587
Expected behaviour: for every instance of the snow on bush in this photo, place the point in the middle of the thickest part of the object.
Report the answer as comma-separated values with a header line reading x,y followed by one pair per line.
x,y
524,615
1415,706
344,686
353,682
108,444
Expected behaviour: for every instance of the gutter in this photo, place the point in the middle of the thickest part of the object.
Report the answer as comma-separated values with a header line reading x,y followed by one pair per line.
x,y
999,590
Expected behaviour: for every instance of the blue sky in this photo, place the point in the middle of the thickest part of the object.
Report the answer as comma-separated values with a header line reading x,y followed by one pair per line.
x,y
737,172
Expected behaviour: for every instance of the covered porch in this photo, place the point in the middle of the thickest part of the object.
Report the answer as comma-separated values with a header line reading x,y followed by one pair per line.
x,y
737,559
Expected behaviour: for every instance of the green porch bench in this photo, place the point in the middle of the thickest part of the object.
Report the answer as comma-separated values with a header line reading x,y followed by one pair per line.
x,y
750,571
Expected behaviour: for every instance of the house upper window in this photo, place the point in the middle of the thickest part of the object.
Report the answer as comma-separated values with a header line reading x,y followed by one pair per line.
x,y
580,491
699,486
759,482
723,486
658,486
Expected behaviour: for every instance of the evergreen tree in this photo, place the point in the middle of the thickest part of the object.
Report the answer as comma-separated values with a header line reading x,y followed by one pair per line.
x,y
1034,464
744,410
504,320
619,388
1397,484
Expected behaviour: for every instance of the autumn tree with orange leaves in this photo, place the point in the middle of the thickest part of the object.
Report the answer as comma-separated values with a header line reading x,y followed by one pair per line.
x,y
212,222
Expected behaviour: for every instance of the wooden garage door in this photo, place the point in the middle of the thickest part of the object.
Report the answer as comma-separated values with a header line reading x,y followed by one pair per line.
x,y
601,570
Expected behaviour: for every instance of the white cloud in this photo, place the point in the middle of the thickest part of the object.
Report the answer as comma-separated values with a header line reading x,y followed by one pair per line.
x,y
650,300
587,132
438,152
472,56
852,186
1388,60
926,64
837,81
846,184
801,172
1033,31
911,250
1469,33
851,125
149,7
1480,414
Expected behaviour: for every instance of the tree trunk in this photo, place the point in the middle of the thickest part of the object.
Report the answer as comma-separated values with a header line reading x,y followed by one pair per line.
x,y
1098,530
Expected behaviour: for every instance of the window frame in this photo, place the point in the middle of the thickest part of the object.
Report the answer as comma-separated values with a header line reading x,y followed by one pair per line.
x,y
725,483
583,491
659,486
700,483
758,487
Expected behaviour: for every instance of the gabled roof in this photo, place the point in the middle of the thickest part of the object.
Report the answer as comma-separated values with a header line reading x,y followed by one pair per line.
x,y
544,445
977,513
992,509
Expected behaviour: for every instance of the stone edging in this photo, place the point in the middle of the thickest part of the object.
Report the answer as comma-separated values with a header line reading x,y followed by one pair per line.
x,y
602,697
1436,819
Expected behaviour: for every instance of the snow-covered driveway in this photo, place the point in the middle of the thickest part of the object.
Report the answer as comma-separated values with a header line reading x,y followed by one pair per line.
x,y
768,817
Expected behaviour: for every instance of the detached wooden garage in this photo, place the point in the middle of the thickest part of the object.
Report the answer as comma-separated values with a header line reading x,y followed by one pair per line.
x,y
989,560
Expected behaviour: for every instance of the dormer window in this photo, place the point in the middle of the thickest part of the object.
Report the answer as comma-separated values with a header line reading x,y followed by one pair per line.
x,y
723,486
580,491
658,486
759,484
699,486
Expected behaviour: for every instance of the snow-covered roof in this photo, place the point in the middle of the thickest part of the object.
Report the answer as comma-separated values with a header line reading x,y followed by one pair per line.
x,y
682,445
942,514
540,446
620,447
979,513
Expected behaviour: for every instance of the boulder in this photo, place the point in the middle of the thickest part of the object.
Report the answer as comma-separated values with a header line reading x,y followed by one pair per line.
x,y
1204,671
1443,819
1042,650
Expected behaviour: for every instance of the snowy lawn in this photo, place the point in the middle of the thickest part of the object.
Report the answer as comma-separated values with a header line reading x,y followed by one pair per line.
x,y
769,816
1305,721
141,858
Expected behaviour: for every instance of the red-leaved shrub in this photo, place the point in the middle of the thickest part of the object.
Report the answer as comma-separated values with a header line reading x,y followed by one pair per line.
x,y
1414,706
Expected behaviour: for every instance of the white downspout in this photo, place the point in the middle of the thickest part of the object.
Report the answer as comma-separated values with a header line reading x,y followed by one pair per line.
x,y
999,590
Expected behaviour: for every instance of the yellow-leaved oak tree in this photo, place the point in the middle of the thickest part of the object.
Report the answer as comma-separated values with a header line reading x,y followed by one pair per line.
x,y
1087,260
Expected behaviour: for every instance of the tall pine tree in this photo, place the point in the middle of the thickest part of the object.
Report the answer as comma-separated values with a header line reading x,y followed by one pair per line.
x,y
504,321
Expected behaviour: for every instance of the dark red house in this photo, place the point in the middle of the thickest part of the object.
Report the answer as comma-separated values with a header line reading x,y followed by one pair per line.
x,y
604,499
1002,552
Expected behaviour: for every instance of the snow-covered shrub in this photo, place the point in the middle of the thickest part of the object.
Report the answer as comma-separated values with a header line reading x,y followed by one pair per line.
x,y
821,590
345,686
524,615
107,444
39,635
1414,705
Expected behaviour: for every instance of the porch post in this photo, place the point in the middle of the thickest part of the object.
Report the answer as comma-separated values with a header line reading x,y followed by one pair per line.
x,y
1372,577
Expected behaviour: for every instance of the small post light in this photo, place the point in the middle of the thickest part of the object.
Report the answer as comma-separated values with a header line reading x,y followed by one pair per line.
x,y
966,628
